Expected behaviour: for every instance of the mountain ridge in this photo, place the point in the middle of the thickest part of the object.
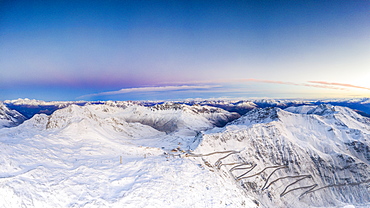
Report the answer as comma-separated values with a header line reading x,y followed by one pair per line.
x,y
29,107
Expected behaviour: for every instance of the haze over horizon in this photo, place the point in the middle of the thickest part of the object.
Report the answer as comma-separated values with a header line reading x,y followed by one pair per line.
x,y
155,50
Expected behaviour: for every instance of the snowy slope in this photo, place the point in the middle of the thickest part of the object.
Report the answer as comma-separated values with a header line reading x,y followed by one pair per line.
x,y
312,156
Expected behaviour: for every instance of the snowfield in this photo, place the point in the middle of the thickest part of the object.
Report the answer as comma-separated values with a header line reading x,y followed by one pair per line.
x,y
178,155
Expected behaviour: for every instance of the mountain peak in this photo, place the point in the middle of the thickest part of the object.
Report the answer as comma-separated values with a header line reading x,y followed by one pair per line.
x,y
259,115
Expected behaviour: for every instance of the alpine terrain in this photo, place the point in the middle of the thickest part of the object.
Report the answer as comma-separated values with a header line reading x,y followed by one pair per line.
x,y
204,153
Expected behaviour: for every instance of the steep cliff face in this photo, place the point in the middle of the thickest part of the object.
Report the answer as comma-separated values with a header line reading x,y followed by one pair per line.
x,y
304,156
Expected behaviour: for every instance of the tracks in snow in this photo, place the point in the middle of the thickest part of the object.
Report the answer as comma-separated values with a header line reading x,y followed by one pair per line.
x,y
250,173
249,168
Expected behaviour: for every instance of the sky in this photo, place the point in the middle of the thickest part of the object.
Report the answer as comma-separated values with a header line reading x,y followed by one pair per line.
x,y
166,50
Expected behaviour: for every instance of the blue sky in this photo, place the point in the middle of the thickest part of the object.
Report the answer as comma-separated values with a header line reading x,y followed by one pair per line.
x,y
139,50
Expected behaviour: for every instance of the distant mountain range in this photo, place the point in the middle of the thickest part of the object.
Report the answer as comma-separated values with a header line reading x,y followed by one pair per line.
x,y
28,107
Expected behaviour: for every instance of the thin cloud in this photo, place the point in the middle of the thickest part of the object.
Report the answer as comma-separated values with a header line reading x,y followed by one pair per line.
x,y
220,81
218,86
225,81
339,84
323,86
153,89
290,83
229,81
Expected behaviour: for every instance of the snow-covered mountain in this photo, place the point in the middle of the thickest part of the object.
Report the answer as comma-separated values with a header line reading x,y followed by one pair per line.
x,y
9,118
172,154
302,157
